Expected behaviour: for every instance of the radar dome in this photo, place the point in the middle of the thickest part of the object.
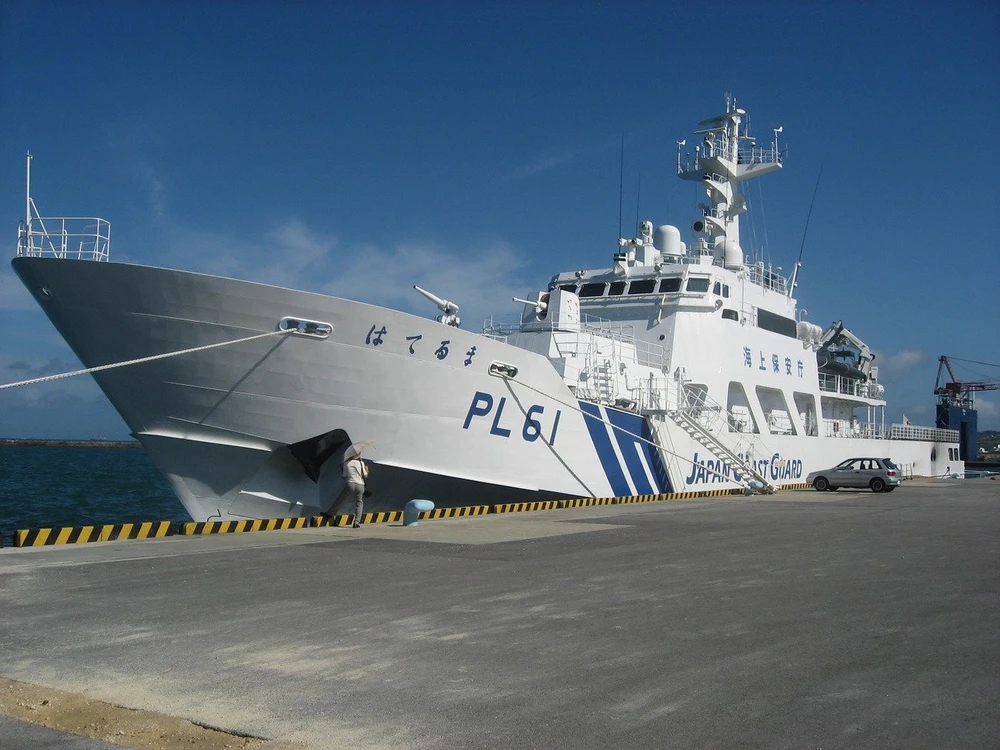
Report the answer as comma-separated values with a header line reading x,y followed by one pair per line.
x,y
667,240
729,252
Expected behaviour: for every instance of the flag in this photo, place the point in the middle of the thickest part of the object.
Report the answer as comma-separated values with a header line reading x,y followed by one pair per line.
x,y
906,420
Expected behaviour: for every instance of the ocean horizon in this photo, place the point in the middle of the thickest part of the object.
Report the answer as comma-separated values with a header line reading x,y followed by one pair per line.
x,y
50,484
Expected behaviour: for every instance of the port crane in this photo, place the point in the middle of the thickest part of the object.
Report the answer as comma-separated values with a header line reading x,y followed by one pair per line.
x,y
958,393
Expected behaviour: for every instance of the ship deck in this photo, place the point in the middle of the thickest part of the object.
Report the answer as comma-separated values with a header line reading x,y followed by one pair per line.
x,y
804,619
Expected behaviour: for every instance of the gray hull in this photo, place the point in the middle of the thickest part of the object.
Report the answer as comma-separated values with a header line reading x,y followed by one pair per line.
x,y
255,429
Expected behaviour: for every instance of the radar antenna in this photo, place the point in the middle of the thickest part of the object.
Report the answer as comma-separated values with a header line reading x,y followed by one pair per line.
x,y
448,309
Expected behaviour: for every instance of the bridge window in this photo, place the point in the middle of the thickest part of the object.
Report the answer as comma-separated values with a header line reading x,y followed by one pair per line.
x,y
617,288
593,289
568,288
670,285
717,288
697,285
769,321
642,286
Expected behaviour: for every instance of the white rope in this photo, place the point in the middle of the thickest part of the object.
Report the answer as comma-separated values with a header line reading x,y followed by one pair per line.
x,y
154,357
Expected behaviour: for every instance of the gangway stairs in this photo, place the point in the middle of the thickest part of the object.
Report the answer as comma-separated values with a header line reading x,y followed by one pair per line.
x,y
690,416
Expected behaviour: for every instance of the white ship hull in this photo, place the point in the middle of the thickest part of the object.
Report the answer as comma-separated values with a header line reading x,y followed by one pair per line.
x,y
219,423
677,369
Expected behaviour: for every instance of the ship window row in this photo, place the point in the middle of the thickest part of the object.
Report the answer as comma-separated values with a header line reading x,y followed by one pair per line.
x,y
672,285
774,407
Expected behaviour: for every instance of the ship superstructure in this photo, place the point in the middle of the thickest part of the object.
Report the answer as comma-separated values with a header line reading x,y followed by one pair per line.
x,y
678,367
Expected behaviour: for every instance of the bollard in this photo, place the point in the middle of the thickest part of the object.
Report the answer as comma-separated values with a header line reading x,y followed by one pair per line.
x,y
412,510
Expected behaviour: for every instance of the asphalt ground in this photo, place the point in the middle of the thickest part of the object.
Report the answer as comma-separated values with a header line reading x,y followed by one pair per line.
x,y
15,733
806,620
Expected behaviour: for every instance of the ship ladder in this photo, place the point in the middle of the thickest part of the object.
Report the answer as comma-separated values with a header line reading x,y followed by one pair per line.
x,y
688,422
604,375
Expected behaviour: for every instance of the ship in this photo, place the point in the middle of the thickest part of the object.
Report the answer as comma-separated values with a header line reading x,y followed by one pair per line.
x,y
683,366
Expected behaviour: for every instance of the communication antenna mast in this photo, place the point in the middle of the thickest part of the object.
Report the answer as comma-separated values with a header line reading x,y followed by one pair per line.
x,y
638,194
802,247
621,183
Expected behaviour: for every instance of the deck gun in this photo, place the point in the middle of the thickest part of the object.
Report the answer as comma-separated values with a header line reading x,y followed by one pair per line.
x,y
540,305
448,309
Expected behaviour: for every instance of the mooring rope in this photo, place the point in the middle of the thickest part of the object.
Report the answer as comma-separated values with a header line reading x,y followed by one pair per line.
x,y
139,361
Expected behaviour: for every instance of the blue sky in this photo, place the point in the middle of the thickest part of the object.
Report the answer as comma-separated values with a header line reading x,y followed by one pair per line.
x,y
473,149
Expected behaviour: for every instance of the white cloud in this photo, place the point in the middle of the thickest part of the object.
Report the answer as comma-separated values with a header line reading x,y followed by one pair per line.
x,y
480,279
81,388
539,166
895,367
288,255
13,294
989,413
157,197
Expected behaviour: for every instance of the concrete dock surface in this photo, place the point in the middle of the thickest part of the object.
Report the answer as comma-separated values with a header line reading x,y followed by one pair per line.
x,y
803,620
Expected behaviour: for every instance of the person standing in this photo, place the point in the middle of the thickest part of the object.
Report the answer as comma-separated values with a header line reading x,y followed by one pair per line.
x,y
356,473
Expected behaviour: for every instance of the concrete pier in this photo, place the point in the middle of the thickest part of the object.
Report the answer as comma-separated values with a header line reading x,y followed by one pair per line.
x,y
801,620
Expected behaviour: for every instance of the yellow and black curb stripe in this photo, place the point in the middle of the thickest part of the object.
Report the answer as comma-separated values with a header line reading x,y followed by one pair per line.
x,y
586,502
156,529
386,516
83,534
236,527
467,510
519,507
700,493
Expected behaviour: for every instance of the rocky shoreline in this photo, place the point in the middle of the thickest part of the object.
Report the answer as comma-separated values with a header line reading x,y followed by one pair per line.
x,y
20,442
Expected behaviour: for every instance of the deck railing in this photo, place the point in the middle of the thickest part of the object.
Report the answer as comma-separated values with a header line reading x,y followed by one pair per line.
x,y
873,430
77,237
642,352
910,432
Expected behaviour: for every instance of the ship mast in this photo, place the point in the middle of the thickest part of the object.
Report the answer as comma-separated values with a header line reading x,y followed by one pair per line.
x,y
27,195
726,156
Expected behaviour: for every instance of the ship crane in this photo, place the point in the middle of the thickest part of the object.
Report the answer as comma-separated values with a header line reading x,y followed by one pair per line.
x,y
956,408
958,393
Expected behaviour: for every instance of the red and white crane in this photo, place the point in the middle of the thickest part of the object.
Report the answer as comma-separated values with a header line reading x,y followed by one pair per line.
x,y
959,393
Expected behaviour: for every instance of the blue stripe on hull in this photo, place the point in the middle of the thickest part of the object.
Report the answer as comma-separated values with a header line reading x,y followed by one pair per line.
x,y
630,431
605,451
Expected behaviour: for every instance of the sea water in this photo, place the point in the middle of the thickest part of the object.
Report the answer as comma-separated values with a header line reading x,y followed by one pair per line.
x,y
47,487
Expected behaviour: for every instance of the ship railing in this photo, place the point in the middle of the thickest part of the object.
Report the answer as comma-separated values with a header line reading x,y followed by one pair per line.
x,y
748,155
634,350
876,431
766,277
846,429
657,395
753,154
913,432
76,237
830,383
